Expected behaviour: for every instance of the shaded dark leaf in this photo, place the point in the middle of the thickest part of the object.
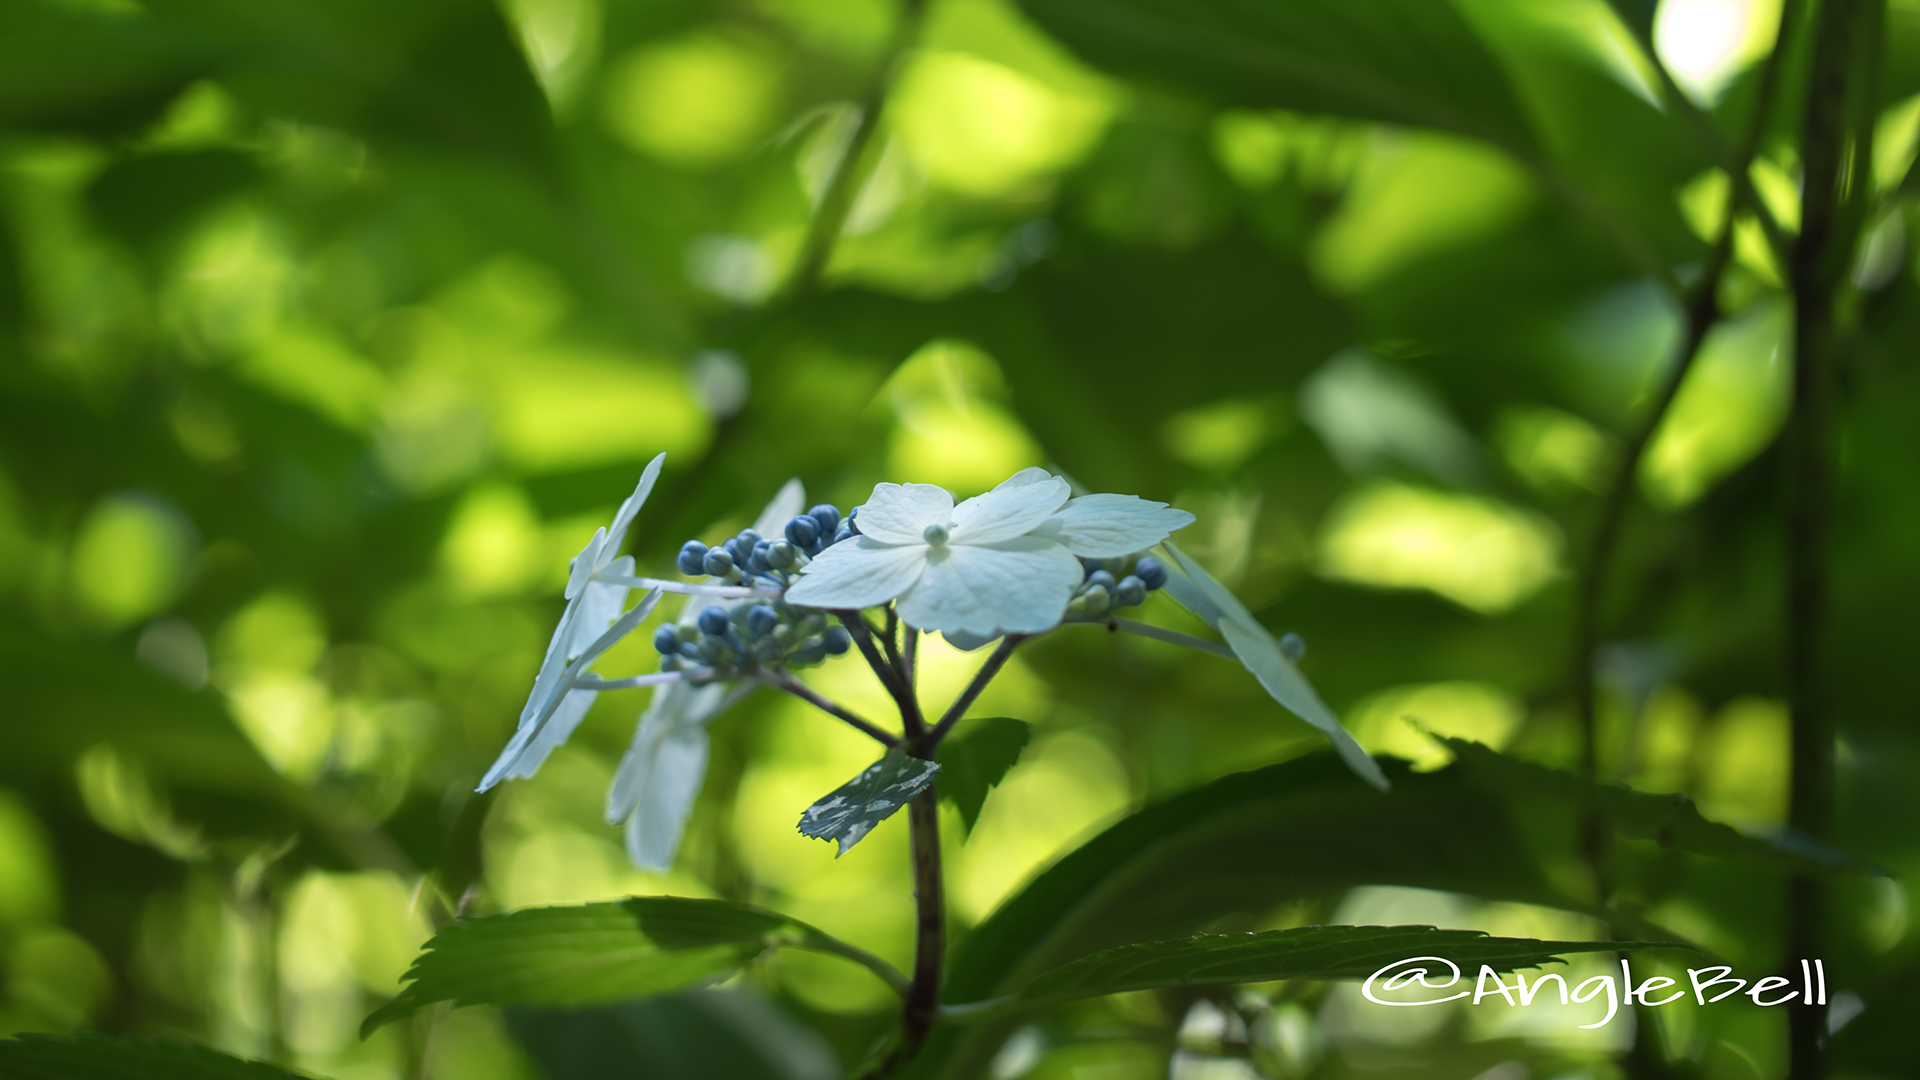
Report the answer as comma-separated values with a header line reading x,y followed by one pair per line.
x,y
1304,952
1411,62
974,760
105,1057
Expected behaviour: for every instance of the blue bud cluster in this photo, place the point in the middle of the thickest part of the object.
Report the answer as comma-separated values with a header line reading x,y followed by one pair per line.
x,y
1112,584
756,631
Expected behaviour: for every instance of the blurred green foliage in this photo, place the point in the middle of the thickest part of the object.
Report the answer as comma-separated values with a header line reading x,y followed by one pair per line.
x,y
329,331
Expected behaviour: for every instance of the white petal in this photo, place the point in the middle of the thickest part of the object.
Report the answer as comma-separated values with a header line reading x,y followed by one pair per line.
x,y
787,503
1103,526
551,688
858,573
966,642
623,518
585,563
598,605
553,734
1020,585
900,513
677,769
1010,509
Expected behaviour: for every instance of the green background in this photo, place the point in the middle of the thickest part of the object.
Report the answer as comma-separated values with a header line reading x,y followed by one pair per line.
x,y
330,331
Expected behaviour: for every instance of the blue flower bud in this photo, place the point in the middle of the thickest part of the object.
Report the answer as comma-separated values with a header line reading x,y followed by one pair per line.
x,y
666,640
762,619
1115,565
670,663
1102,579
811,653
1130,591
836,640
802,531
1150,570
714,620
1292,646
781,554
757,560
693,558
690,650
827,516
847,532
852,523
719,562
748,538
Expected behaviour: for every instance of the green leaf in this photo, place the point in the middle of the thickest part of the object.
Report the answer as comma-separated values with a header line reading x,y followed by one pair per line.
x,y
1304,952
1307,828
1414,62
1669,820
106,1057
1198,592
598,953
849,812
974,759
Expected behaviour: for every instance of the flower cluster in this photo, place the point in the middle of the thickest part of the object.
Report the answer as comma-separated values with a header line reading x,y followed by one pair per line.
x,y
789,592
1006,562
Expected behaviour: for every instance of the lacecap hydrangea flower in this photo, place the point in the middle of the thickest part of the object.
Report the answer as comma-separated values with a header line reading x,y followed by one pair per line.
x,y
1006,562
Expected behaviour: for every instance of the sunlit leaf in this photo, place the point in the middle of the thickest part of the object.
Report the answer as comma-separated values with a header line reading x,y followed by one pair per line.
x,y
849,812
976,758
106,1057
597,953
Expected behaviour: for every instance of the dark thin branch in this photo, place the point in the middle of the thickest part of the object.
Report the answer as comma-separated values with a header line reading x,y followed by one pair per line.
x,y
884,670
1818,272
980,680
1702,311
910,658
930,930
827,705
1736,162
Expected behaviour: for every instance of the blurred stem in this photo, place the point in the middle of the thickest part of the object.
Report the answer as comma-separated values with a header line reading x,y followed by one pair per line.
x,y
1702,310
981,678
1818,270
1157,633
850,171
808,694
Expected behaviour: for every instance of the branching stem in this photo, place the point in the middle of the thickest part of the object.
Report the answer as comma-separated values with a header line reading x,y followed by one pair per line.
x,y
980,680
827,705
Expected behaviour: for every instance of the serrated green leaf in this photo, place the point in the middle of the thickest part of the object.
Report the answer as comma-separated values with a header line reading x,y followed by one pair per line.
x,y
593,954
1669,820
1304,952
107,1057
1305,828
849,812
1414,62
976,758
